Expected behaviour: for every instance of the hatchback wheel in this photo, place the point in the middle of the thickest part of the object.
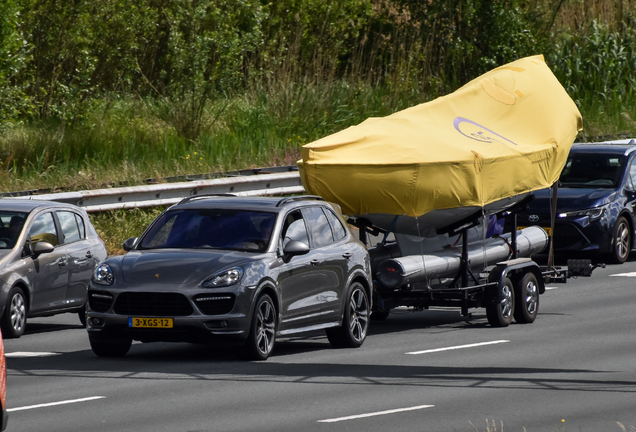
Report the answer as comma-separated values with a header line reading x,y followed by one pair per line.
x,y
355,322
14,318
260,342
622,241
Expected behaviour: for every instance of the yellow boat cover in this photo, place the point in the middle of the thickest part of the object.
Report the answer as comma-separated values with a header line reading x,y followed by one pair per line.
x,y
505,133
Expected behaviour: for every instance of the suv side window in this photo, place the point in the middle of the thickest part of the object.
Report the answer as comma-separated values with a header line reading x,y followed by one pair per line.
x,y
69,226
43,229
294,228
339,231
320,229
632,175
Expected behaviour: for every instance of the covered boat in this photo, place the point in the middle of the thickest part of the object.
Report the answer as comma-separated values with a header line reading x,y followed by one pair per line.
x,y
480,149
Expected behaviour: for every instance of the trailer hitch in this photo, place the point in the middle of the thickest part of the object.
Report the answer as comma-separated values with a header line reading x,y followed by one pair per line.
x,y
582,267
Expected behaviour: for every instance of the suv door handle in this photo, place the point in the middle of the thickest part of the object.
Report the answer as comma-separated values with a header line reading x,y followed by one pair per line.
x,y
314,262
62,262
347,255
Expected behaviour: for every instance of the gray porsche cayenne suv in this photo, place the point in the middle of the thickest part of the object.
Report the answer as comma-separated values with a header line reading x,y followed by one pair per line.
x,y
237,270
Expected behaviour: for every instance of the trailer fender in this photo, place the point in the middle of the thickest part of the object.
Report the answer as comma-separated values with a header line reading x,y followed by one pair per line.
x,y
515,269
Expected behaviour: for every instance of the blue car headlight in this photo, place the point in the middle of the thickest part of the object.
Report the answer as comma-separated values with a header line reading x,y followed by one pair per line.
x,y
224,278
103,275
593,213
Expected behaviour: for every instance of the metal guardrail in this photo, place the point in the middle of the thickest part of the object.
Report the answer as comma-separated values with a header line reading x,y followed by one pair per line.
x,y
99,200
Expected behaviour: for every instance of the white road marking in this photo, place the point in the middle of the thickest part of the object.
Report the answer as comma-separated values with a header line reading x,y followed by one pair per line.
x,y
56,403
458,347
353,417
551,288
631,274
20,354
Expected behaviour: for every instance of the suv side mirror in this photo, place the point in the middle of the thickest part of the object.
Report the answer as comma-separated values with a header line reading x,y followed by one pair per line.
x,y
42,247
293,248
129,244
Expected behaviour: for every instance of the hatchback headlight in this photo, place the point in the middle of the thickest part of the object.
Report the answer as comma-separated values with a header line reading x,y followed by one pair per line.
x,y
593,213
225,278
103,275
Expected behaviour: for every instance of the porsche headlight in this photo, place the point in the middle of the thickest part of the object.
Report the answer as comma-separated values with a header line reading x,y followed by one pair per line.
x,y
224,279
103,275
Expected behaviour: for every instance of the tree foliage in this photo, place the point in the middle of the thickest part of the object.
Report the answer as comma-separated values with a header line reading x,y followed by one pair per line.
x,y
61,59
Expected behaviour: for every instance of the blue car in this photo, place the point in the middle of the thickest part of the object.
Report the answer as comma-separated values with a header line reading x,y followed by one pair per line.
x,y
596,201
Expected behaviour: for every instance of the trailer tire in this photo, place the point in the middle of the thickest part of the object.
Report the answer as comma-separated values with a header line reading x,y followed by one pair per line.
x,y
500,313
526,299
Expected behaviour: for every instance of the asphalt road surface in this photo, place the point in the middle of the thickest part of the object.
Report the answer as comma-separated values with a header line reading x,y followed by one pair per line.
x,y
573,369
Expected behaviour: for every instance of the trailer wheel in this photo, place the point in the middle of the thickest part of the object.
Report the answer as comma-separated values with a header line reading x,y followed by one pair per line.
x,y
526,299
500,314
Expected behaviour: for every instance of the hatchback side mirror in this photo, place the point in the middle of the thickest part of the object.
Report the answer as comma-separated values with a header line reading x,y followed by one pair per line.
x,y
129,244
42,247
293,248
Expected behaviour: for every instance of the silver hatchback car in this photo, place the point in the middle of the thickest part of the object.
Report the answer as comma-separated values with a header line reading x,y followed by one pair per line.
x,y
48,252
237,270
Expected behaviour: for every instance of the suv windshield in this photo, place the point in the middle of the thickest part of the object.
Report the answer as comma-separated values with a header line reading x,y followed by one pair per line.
x,y
211,229
592,170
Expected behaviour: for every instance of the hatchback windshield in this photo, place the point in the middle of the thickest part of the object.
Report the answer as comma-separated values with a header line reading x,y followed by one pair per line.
x,y
211,229
11,224
592,170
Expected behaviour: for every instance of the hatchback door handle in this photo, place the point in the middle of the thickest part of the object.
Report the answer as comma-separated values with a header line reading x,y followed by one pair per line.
x,y
62,262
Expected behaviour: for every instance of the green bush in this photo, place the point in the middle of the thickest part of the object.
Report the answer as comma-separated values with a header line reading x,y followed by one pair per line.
x,y
100,92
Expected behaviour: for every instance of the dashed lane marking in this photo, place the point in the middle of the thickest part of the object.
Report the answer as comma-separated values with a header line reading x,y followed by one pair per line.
x,y
631,274
24,354
378,413
458,347
56,403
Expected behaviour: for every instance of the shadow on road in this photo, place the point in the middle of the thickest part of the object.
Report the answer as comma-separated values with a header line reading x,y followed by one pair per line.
x,y
181,361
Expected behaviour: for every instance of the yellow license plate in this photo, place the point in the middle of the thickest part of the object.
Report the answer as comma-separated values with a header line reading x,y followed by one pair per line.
x,y
150,322
547,230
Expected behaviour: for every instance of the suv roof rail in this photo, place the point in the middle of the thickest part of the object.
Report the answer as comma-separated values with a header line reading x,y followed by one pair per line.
x,y
193,197
298,198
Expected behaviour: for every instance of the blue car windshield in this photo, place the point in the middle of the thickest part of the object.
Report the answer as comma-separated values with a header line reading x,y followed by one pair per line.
x,y
242,230
592,170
